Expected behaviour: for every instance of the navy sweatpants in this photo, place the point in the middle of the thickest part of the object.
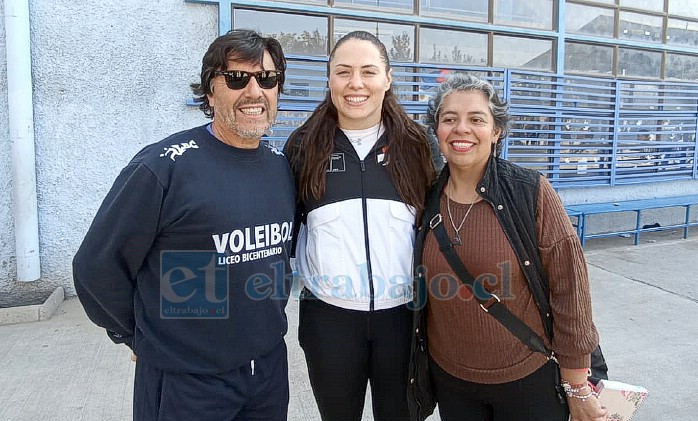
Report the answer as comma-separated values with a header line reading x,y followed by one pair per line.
x,y
256,391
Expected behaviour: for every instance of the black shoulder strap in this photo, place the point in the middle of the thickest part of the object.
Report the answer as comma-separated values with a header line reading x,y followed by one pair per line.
x,y
497,309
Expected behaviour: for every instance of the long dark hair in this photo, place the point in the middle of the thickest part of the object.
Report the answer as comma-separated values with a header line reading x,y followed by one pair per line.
x,y
244,45
310,146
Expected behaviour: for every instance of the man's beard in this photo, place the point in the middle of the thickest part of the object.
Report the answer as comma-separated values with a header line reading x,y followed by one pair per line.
x,y
250,133
254,132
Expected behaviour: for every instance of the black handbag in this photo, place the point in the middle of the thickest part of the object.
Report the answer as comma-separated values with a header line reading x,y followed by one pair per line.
x,y
421,399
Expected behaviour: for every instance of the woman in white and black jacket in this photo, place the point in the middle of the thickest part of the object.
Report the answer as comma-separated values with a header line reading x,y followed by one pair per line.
x,y
362,167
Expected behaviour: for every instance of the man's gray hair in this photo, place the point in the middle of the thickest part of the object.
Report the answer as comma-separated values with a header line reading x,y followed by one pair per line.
x,y
460,82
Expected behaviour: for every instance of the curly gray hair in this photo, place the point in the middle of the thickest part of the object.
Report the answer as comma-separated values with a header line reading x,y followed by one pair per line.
x,y
460,82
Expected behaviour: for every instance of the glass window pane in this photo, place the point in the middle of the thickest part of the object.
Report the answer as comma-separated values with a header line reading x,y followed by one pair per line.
x,y
597,1
398,39
401,5
640,27
304,80
682,32
522,53
687,8
588,58
639,63
590,20
530,13
452,47
453,9
681,67
298,34
654,5
324,2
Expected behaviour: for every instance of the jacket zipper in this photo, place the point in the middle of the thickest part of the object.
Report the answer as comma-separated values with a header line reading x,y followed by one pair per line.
x,y
364,208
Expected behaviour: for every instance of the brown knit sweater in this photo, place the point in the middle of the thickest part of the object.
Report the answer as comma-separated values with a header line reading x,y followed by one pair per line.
x,y
469,343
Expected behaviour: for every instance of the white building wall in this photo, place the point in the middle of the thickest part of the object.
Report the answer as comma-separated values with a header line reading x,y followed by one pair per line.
x,y
109,78
8,268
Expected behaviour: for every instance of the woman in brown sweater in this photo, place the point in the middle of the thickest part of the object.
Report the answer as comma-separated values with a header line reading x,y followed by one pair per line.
x,y
481,371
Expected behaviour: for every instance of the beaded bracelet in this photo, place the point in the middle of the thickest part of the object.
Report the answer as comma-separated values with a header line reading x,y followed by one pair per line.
x,y
574,390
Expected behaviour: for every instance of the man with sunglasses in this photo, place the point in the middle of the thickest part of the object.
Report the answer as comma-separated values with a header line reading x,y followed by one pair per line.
x,y
186,261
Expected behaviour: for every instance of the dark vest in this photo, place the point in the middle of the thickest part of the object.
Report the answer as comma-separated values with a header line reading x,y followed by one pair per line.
x,y
512,191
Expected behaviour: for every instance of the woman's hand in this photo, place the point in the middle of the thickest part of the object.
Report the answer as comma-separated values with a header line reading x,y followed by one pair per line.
x,y
581,399
589,409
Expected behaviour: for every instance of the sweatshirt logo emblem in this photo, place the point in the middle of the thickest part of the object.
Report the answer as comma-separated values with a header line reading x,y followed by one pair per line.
x,y
252,243
174,151
274,150
337,163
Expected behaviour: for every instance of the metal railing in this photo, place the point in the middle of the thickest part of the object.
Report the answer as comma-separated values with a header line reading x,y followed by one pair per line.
x,y
577,131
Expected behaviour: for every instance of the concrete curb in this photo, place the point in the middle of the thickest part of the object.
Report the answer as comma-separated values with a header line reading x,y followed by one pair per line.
x,y
32,313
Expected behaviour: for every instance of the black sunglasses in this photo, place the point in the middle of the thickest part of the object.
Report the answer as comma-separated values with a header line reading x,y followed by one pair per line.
x,y
238,79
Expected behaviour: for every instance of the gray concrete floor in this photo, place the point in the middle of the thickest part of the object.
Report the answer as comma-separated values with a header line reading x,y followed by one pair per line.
x,y
645,305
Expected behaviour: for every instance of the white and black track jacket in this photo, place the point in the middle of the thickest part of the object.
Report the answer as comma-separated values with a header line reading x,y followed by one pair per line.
x,y
354,249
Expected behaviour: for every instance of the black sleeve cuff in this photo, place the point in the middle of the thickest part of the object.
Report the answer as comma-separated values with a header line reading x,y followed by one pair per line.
x,y
118,338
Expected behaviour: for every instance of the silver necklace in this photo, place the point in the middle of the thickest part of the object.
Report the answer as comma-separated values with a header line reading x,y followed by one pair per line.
x,y
456,239
357,140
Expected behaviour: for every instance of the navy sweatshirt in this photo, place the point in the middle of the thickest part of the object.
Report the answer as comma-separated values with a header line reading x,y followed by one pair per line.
x,y
186,260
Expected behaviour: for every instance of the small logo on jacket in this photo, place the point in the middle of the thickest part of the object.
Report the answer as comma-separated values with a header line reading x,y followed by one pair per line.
x,y
174,151
337,163
380,156
192,286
